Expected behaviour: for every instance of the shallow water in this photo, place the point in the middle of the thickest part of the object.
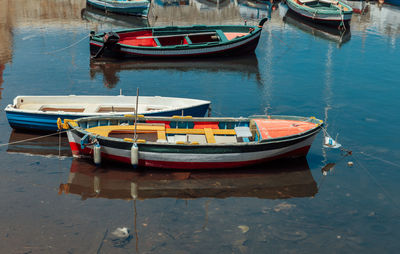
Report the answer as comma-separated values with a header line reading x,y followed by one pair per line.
x,y
51,203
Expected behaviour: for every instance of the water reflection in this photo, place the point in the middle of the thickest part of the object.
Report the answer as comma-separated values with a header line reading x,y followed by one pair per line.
x,y
36,144
246,66
255,9
324,32
279,180
94,15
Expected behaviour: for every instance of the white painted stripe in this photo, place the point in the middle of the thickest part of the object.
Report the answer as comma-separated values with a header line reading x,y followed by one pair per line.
x,y
183,157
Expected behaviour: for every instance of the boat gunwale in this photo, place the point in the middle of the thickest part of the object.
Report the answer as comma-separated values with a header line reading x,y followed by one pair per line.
x,y
98,38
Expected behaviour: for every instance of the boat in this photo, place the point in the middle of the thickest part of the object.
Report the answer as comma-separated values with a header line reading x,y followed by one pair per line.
x,y
277,180
317,30
177,41
100,18
41,112
185,142
328,12
129,7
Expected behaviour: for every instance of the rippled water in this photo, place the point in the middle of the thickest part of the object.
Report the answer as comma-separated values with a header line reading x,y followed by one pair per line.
x,y
51,203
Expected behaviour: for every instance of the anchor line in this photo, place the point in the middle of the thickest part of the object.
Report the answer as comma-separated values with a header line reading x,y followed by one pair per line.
x,y
35,138
70,46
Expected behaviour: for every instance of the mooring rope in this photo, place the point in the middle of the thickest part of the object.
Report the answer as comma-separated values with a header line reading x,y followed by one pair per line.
x,y
70,46
30,139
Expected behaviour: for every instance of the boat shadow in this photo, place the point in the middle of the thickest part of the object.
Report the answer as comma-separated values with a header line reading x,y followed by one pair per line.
x,y
324,32
277,180
246,65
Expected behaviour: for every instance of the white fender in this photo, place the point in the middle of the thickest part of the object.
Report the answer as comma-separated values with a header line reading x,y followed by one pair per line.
x,y
134,155
97,154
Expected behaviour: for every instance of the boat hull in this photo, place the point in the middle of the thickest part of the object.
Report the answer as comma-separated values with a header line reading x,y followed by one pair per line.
x,y
195,156
136,8
330,19
232,48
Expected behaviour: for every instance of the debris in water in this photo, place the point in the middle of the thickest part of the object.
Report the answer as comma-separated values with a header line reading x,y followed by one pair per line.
x,y
243,228
350,163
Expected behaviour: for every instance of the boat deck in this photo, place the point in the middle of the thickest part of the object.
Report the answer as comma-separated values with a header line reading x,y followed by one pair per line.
x,y
195,133
90,108
147,38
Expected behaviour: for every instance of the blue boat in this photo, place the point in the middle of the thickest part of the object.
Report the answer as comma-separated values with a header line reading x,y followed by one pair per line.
x,y
129,7
41,112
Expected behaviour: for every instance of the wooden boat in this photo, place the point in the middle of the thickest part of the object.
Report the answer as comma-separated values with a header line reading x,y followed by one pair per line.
x,y
329,12
191,142
130,7
317,30
42,112
279,180
176,42
99,17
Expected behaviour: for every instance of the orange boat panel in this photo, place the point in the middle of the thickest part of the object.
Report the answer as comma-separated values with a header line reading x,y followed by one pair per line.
x,y
275,128
132,39
231,36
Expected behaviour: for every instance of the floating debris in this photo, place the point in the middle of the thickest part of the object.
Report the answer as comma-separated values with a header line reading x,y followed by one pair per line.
x,y
244,228
350,163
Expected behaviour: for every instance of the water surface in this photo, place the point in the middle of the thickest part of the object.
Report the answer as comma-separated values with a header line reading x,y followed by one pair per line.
x,y
52,203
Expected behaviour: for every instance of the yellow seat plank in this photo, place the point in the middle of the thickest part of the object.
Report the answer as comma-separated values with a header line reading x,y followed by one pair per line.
x,y
209,135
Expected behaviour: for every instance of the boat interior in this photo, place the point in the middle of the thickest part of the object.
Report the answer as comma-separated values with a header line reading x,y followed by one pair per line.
x,y
182,131
92,108
151,38
322,4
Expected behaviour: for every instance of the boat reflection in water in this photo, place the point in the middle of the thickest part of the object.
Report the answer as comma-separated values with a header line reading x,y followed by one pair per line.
x,y
255,9
97,16
324,32
245,65
38,144
279,180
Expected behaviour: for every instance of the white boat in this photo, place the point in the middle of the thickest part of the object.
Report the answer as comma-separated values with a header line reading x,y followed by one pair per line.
x,y
42,112
329,12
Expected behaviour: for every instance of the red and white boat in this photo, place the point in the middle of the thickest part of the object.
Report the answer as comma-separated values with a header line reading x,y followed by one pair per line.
x,y
191,143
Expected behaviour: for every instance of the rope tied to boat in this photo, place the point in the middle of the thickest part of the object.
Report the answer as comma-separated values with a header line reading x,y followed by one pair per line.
x,y
35,138
70,46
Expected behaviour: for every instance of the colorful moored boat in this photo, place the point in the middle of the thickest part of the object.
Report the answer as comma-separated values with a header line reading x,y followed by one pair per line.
x,y
329,12
130,7
177,42
189,142
41,112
